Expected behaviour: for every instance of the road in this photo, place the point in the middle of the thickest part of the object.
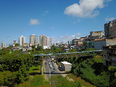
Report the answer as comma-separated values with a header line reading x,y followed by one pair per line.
x,y
48,70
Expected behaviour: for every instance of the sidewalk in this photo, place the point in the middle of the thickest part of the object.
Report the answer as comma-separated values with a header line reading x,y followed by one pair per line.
x,y
64,75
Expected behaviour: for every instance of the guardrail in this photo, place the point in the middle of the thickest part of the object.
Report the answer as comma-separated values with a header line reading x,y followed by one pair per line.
x,y
68,53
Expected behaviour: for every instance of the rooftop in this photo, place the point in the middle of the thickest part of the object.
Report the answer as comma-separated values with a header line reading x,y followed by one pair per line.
x,y
65,62
96,40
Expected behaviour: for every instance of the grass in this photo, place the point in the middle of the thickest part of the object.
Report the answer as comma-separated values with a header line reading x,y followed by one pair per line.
x,y
59,63
36,81
82,81
34,70
44,71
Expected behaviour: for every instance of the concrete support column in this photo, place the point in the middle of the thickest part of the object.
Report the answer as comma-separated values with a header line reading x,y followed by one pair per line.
x,y
42,66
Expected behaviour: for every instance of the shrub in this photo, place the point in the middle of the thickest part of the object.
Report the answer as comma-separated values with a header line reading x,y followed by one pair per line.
x,y
37,80
59,81
112,68
25,84
22,74
7,78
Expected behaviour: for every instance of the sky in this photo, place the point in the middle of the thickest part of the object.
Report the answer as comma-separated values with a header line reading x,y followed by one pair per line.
x,y
62,20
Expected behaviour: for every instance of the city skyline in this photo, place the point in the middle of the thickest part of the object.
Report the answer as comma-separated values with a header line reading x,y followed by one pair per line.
x,y
56,19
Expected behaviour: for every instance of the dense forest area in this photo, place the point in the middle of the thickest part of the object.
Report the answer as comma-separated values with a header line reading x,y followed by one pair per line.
x,y
14,67
92,70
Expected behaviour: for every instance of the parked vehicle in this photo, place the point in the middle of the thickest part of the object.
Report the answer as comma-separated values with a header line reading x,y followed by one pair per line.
x,y
50,65
53,64
53,71
54,68
46,62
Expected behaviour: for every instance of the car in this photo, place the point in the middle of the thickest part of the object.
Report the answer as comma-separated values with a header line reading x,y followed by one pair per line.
x,y
53,64
53,71
50,65
54,68
46,62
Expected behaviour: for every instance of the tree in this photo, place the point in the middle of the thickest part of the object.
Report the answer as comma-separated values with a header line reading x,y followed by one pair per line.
x,y
7,78
16,44
22,74
73,50
39,48
33,48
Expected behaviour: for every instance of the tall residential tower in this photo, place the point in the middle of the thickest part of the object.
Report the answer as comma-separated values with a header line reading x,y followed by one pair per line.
x,y
22,40
33,40
3,45
110,29
45,42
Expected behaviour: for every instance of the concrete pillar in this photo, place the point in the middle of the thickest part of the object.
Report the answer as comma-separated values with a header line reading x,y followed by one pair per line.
x,y
42,66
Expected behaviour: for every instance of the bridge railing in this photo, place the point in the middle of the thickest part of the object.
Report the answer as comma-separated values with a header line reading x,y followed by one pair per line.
x,y
79,52
68,53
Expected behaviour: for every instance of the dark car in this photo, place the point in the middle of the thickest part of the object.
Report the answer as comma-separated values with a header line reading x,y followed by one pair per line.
x,y
53,71
54,68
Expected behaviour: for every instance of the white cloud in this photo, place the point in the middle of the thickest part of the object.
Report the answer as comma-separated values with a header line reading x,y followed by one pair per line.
x,y
85,8
34,22
109,19
65,38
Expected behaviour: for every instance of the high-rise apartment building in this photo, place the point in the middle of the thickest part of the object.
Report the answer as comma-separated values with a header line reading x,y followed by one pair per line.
x,y
33,40
96,35
49,41
3,45
110,29
45,42
77,42
42,40
22,40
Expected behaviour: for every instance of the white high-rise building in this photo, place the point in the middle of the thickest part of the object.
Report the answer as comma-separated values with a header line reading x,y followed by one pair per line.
x,y
22,40
49,42
3,45
42,40
45,42
33,40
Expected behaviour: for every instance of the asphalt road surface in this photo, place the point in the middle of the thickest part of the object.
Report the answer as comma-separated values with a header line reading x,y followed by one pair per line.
x,y
49,69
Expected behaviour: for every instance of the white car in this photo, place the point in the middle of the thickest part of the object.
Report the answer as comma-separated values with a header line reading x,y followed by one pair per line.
x,y
50,65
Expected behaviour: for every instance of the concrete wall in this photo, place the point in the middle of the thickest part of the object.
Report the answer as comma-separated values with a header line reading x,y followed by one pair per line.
x,y
110,42
62,66
99,44
66,67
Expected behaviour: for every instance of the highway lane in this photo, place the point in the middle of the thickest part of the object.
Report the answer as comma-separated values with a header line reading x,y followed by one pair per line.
x,y
48,69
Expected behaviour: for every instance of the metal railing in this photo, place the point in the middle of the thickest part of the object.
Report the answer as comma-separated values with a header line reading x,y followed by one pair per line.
x,y
68,53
